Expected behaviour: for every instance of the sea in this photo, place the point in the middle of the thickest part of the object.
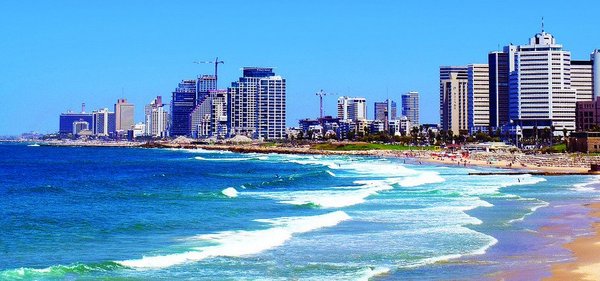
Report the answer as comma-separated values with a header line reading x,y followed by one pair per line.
x,y
89,213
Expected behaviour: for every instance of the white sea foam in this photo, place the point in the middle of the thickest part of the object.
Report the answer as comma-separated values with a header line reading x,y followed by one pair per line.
x,y
230,192
492,241
224,159
587,186
370,272
330,173
241,243
421,179
330,198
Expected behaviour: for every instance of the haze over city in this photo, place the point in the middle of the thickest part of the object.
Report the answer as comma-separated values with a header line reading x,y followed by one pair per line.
x,y
56,55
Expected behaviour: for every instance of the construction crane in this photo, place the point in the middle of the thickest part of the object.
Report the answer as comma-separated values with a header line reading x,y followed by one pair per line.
x,y
216,63
321,94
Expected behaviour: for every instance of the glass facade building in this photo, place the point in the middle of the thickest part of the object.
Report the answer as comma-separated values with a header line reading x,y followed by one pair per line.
x,y
183,102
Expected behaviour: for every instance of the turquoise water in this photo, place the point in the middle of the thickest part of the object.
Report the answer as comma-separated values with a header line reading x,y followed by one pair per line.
x,y
104,213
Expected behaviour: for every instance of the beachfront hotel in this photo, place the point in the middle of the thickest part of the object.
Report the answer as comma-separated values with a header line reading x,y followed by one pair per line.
x,y
410,107
104,123
256,105
540,92
454,98
478,91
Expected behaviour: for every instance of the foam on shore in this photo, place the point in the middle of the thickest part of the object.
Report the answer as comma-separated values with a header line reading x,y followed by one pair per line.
x,y
241,243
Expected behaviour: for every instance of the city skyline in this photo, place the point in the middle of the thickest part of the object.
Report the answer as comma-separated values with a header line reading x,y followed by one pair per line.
x,y
52,66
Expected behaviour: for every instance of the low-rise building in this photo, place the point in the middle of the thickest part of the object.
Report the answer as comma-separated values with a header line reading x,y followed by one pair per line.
x,y
585,142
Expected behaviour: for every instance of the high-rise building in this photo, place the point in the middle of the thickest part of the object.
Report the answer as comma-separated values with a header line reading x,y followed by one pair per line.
x,y
104,122
540,92
183,102
582,79
383,109
352,109
500,65
209,118
478,91
67,120
124,115
156,118
454,98
410,107
206,83
256,104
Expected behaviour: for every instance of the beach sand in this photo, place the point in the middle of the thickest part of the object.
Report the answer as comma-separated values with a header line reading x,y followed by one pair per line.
x,y
586,251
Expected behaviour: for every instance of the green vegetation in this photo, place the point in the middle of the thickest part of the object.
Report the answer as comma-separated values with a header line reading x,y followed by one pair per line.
x,y
368,146
557,148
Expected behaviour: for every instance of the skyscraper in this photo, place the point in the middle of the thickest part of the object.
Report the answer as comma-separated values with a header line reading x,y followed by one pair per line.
x,y
124,114
582,79
256,104
104,123
410,107
352,108
383,107
500,65
478,89
183,102
209,118
453,98
156,118
540,93
206,83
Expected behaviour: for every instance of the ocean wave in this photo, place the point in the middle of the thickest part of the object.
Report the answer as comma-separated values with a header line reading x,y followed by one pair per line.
x,y
587,186
57,271
420,179
436,259
330,198
241,243
230,192
532,209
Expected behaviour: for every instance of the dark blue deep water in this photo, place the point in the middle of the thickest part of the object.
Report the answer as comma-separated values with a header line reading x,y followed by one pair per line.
x,y
114,213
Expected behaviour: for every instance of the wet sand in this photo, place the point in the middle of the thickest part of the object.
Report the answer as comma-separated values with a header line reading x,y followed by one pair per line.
x,y
586,252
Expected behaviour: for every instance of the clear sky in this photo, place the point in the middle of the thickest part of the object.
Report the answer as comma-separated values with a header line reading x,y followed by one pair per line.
x,y
54,55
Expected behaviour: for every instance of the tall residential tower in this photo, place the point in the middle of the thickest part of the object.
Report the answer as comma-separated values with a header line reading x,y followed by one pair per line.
x,y
478,89
256,104
454,98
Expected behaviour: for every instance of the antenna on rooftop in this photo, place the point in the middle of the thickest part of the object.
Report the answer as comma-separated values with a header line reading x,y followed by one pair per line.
x,y
83,107
542,24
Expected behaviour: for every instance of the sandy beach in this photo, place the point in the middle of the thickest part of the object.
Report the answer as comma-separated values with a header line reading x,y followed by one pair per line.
x,y
586,252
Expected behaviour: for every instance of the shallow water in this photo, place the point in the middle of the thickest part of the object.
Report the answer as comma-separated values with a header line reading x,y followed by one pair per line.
x,y
72,212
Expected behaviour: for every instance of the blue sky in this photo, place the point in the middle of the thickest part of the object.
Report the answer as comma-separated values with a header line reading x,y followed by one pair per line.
x,y
56,54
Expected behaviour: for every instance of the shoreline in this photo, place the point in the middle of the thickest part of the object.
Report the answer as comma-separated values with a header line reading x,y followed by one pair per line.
x,y
550,164
585,251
